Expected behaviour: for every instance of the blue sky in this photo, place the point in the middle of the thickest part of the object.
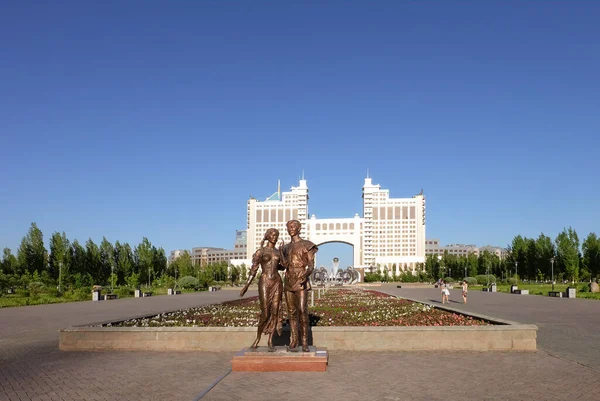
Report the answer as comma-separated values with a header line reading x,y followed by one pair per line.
x,y
160,118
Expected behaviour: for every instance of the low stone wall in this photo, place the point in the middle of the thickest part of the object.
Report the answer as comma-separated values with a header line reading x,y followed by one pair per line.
x,y
454,338
502,335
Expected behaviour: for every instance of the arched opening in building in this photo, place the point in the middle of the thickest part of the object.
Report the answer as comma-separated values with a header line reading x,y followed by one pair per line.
x,y
329,250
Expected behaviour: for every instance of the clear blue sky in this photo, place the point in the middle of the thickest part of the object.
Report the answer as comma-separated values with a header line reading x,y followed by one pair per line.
x,y
160,118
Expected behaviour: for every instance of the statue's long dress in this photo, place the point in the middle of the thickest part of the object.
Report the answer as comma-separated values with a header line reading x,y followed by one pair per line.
x,y
270,290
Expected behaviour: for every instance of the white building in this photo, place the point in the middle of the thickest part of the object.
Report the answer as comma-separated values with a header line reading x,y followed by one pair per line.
x,y
494,250
433,247
391,233
174,255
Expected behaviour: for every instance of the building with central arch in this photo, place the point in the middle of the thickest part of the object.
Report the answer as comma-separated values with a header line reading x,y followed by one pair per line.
x,y
389,235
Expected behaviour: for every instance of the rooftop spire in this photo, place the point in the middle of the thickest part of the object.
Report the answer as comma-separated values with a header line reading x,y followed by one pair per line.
x,y
368,173
302,173
279,188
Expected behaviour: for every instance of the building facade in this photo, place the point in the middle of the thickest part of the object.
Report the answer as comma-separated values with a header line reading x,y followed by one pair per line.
x,y
203,256
433,247
174,255
391,233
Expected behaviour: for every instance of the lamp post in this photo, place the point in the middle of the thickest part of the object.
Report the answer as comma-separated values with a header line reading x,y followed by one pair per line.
x,y
517,272
59,277
465,271
441,266
112,276
552,264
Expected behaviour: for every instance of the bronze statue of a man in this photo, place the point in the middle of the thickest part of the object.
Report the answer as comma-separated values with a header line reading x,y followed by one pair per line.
x,y
299,262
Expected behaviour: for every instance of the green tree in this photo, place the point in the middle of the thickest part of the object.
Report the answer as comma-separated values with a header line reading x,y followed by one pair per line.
x,y
59,258
567,249
234,275
9,262
77,258
143,256
517,251
485,263
59,253
107,261
473,264
124,261
591,255
92,262
32,255
182,265
159,261
546,251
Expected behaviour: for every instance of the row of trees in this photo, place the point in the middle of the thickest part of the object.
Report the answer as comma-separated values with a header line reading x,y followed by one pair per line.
x,y
529,258
72,265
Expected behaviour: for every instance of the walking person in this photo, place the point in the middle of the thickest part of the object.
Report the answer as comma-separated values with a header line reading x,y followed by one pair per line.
x,y
445,292
465,288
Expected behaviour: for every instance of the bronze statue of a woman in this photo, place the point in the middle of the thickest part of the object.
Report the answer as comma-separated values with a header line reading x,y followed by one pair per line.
x,y
270,287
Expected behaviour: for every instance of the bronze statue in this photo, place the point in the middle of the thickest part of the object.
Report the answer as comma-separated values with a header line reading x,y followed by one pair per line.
x,y
299,262
270,287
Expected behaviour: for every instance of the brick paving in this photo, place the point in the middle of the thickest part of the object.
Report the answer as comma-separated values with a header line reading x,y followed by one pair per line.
x,y
566,367
421,376
567,328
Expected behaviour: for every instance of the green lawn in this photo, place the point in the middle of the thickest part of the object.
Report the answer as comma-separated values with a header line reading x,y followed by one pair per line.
x,y
12,300
542,289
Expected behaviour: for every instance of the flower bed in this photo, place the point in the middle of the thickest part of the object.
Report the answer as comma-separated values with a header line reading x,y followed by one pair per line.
x,y
338,307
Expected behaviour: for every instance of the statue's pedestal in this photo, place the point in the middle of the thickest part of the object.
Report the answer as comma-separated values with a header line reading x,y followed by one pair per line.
x,y
260,360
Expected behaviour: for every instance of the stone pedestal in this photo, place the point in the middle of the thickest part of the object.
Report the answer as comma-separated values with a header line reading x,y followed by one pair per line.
x,y
260,360
96,295
138,293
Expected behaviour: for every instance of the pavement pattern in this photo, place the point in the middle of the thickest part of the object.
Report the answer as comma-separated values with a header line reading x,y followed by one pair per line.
x,y
567,365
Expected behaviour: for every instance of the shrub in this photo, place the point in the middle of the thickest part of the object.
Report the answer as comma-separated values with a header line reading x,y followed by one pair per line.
x,y
82,294
483,279
36,288
584,288
449,279
123,292
188,282
471,280
408,277
133,281
511,281
373,277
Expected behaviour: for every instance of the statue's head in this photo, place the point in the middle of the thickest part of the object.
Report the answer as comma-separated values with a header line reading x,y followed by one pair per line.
x,y
293,227
272,234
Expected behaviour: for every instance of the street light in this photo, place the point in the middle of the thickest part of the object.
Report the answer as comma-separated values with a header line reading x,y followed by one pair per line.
x,y
552,263
59,277
112,276
441,265
517,272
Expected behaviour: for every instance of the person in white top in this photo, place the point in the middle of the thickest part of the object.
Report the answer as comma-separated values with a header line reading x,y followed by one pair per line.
x,y
465,287
445,292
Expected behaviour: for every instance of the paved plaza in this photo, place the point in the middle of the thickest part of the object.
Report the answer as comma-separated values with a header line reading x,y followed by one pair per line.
x,y
567,365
